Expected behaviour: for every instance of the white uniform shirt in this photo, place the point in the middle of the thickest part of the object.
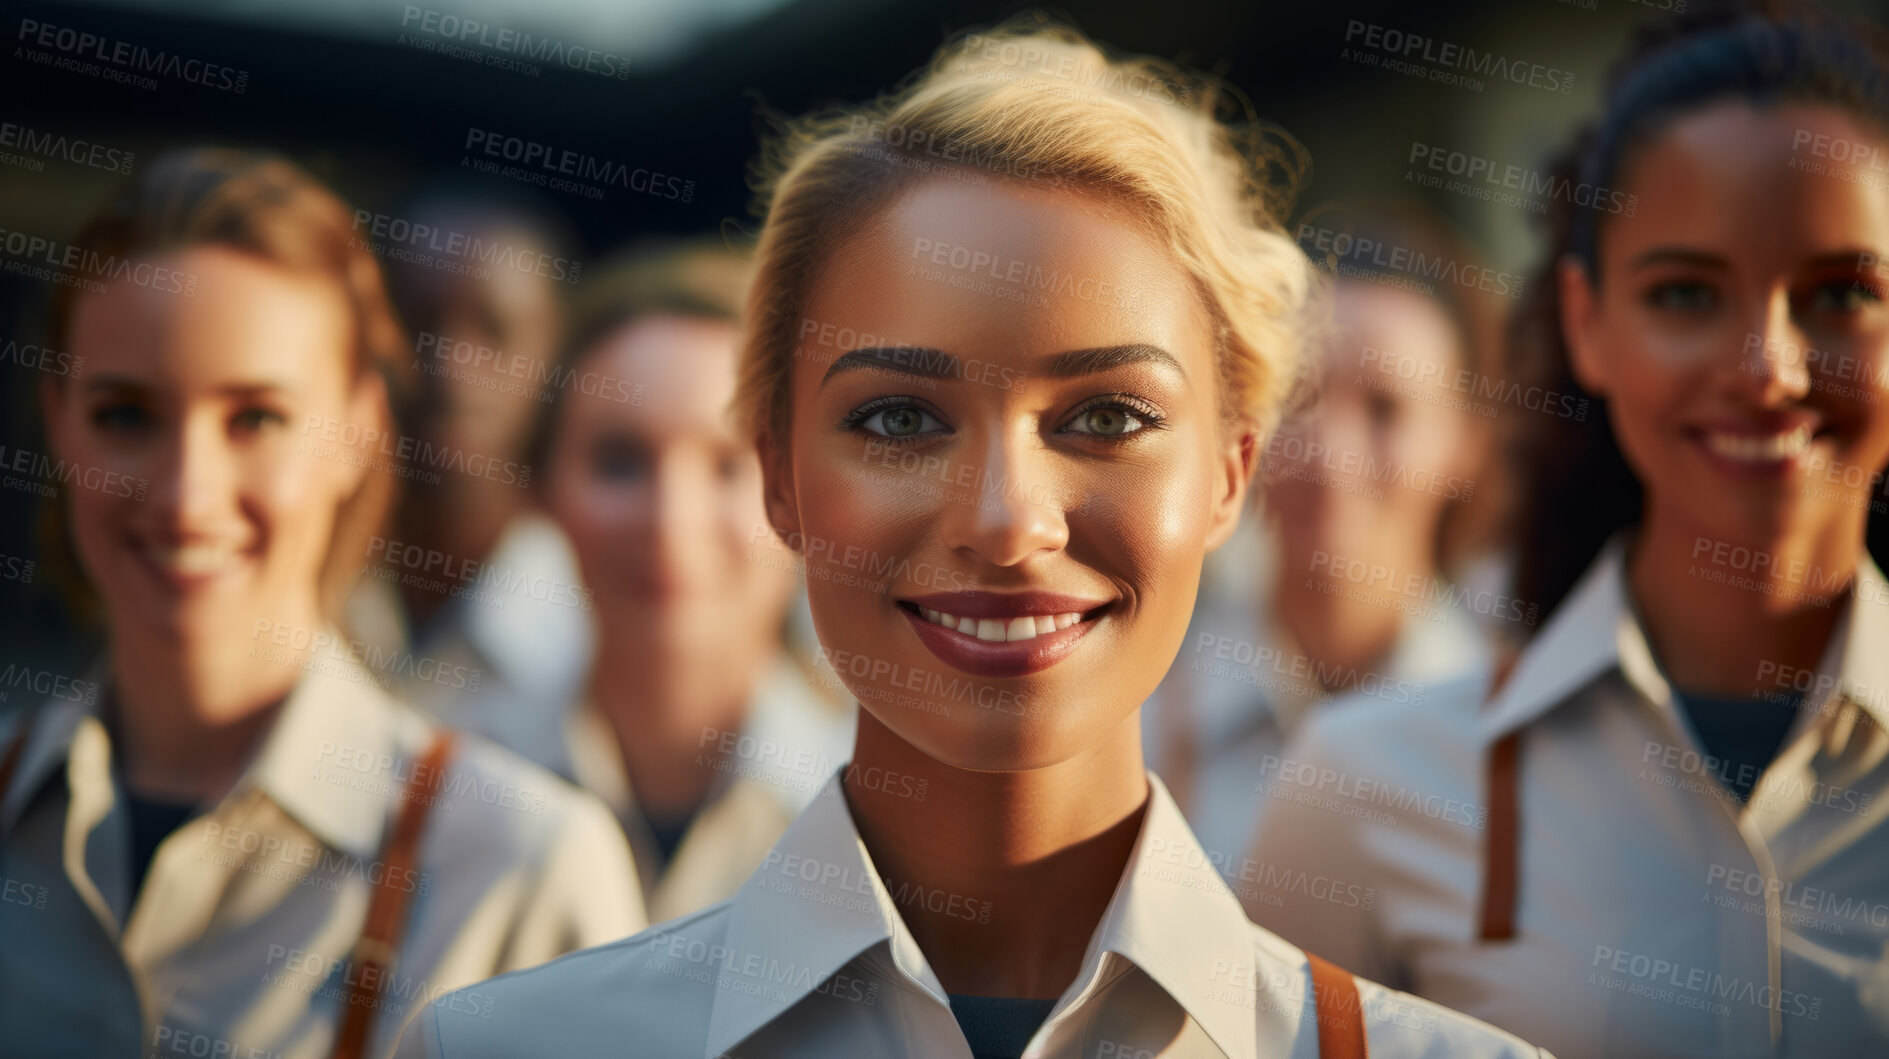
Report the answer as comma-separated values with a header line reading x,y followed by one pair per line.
x,y
1232,701
239,943
1656,916
506,655
767,773
811,958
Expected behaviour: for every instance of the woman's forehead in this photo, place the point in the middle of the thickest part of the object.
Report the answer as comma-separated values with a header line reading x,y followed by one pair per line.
x,y
239,317
1003,272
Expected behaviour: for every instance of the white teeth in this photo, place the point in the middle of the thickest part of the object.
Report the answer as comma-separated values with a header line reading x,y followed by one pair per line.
x,y
1749,448
193,560
997,630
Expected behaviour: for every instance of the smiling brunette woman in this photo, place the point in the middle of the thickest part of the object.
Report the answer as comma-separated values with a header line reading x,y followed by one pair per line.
x,y
240,845
1016,334
1664,833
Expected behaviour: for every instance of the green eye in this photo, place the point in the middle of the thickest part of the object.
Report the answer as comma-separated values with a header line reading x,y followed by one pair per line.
x,y
1107,421
901,422
897,421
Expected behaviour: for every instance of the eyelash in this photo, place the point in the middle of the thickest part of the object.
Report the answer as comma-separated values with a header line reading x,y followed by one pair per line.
x,y
1142,411
266,417
127,415
1813,298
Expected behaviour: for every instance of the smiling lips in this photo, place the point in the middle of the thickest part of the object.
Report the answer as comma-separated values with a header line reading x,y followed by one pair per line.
x,y
1762,449
1758,448
189,564
998,630
998,634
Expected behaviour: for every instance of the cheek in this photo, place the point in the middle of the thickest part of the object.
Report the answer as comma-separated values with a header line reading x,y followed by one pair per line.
x,y
1148,526
95,516
603,520
1646,389
296,499
877,500
744,531
1430,446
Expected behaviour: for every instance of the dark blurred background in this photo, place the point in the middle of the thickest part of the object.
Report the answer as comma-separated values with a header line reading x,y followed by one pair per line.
x,y
358,91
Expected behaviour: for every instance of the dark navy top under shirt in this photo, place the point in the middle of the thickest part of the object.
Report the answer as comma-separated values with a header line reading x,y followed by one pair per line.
x,y
998,1027
1744,734
152,821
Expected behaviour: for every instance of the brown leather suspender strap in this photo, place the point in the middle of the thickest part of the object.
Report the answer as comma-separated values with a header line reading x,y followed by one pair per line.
x,y
1501,885
16,748
1339,1009
373,957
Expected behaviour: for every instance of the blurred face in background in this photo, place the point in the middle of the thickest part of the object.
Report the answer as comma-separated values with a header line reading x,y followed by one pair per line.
x,y
503,329
662,500
1739,328
1369,470
234,405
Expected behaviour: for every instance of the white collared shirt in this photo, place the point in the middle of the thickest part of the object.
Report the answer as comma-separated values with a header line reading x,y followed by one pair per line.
x,y
1242,686
506,655
812,958
1657,916
239,943
766,774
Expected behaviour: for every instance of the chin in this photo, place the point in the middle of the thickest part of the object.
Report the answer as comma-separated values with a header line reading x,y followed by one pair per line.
x,y
980,739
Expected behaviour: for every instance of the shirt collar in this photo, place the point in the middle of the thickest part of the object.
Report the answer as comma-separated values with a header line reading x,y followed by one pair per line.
x,y
1597,630
331,760
1580,642
539,638
816,903
796,739
1857,660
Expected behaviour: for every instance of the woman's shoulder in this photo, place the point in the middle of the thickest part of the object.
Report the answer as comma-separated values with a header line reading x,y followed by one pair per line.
x,y
1388,736
1399,1024
1396,1024
467,777
648,994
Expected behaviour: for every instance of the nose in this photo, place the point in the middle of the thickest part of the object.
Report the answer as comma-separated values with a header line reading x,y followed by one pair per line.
x,y
1012,506
1774,366
193,477
678,519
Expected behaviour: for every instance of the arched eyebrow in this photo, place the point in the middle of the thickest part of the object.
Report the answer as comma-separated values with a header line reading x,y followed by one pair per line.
x,y
1090,361
1678,255
925,363
917,361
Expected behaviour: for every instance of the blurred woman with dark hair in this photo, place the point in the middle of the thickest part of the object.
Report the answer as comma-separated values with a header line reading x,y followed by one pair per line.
x,y
240,844
1662,832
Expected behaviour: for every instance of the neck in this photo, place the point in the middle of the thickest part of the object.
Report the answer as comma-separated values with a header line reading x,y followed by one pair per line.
x,y
1717,613
666,725
187,717
1345,629
466,524
1037,854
